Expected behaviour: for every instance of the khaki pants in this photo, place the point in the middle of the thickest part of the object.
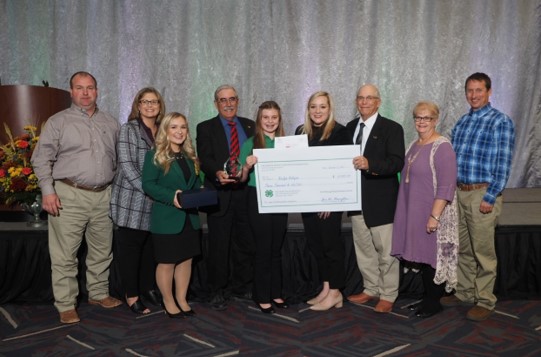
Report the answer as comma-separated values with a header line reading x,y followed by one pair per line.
x,y
379,269
477,259
84,213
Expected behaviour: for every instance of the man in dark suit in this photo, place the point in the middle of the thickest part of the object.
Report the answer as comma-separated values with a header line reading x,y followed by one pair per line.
x,y
230,244
381,159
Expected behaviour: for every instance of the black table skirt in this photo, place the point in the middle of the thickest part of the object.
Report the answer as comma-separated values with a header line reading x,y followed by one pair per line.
x,y
25,270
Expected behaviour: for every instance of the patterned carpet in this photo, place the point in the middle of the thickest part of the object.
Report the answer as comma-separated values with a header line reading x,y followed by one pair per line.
x,y
354,330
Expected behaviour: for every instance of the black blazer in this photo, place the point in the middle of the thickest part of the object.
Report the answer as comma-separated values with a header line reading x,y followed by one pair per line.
x,y
213,152
385,152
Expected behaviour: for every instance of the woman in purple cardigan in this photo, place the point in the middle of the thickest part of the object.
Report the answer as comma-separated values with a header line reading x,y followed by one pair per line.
x,y
425,228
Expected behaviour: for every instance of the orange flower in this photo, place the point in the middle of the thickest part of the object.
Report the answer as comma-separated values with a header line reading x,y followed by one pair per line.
x,y
27,170
22,144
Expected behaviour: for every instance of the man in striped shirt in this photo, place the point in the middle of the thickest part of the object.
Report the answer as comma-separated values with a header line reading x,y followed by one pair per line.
x,y
483,140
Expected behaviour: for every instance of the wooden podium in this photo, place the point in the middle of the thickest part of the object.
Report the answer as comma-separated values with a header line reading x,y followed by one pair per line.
x,y
22,105
29,105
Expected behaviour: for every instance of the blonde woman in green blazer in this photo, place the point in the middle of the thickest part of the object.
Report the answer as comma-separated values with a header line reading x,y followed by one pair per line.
x,y
170,168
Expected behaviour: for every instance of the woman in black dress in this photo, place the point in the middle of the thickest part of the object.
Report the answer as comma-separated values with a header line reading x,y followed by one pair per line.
x,y
170,168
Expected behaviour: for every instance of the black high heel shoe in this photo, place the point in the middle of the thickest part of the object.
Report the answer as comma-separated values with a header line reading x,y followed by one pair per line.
x,y
138,307
178,315
265,310
281,305
188,313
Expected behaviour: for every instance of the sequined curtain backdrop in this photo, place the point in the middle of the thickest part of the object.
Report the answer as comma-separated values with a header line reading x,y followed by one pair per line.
x,y
285,50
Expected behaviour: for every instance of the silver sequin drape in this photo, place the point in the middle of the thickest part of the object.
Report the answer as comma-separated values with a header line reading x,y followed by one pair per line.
x,y
286,49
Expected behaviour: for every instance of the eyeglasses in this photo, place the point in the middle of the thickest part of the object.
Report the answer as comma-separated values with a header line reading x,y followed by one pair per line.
x,y
227,100
422,119
369,98
149,102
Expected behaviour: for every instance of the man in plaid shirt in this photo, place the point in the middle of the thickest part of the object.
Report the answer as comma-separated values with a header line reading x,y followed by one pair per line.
x,y
483,140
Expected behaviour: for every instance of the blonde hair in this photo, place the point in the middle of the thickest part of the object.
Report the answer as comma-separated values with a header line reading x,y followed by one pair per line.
x,y
328,126
164,154
430,106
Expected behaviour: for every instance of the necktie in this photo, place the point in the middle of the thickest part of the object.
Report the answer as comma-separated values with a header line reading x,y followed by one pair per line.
x,y
234,148
359,139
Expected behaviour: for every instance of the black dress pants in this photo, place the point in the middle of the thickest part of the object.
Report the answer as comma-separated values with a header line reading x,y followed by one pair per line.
x,y
230,248
269,230
327,245
136,263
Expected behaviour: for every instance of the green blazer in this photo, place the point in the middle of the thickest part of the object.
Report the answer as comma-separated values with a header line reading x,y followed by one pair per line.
x,y
165,217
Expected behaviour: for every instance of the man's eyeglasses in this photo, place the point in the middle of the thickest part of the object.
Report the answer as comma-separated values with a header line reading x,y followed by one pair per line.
x,y
149,102
369,98
422,119
228,100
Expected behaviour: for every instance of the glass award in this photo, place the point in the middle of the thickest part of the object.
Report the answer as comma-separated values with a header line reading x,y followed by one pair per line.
x,y
233,168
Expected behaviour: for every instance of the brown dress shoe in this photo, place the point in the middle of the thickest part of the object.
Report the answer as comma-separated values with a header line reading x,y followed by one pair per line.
x,y
478,313
107,302
361,298
69,317
452,300
384,306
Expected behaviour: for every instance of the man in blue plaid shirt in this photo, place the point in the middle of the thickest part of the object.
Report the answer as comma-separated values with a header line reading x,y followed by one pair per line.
x,y
483,140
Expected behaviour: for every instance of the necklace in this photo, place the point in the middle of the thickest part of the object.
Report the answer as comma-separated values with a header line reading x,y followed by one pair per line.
x,y
178,155
411,159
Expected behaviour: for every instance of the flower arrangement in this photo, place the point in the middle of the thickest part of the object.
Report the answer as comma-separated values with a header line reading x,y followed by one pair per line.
x,y
18,183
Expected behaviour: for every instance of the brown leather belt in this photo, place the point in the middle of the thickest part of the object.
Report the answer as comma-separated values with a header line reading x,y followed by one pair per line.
x,y
471,187
83,187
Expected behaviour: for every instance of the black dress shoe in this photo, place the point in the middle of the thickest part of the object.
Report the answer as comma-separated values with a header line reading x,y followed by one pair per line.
x,y
154,297
138,307
425,313
267,310
243,296
218,303
281,305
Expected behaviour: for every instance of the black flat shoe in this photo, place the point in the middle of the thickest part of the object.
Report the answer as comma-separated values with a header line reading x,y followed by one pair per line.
x,y
154,297
138,307
268,310
281,305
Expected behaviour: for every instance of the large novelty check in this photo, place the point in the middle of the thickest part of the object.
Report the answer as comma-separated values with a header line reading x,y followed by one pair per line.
x,y
313,179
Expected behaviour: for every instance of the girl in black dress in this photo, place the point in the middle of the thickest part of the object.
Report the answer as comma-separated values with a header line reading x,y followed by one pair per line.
x,y
322,229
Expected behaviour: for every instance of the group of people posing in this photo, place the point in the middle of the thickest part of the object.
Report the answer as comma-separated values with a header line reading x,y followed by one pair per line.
x,y
433,205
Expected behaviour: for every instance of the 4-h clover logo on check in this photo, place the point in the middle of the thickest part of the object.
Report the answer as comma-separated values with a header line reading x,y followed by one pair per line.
x,y
269,193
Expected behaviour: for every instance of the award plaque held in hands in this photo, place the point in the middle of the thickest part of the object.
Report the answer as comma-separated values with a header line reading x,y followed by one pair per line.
x,y
198,197
233,168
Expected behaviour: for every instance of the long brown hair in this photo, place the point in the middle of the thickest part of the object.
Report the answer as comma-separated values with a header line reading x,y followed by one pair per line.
x,y
259,136
134,114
